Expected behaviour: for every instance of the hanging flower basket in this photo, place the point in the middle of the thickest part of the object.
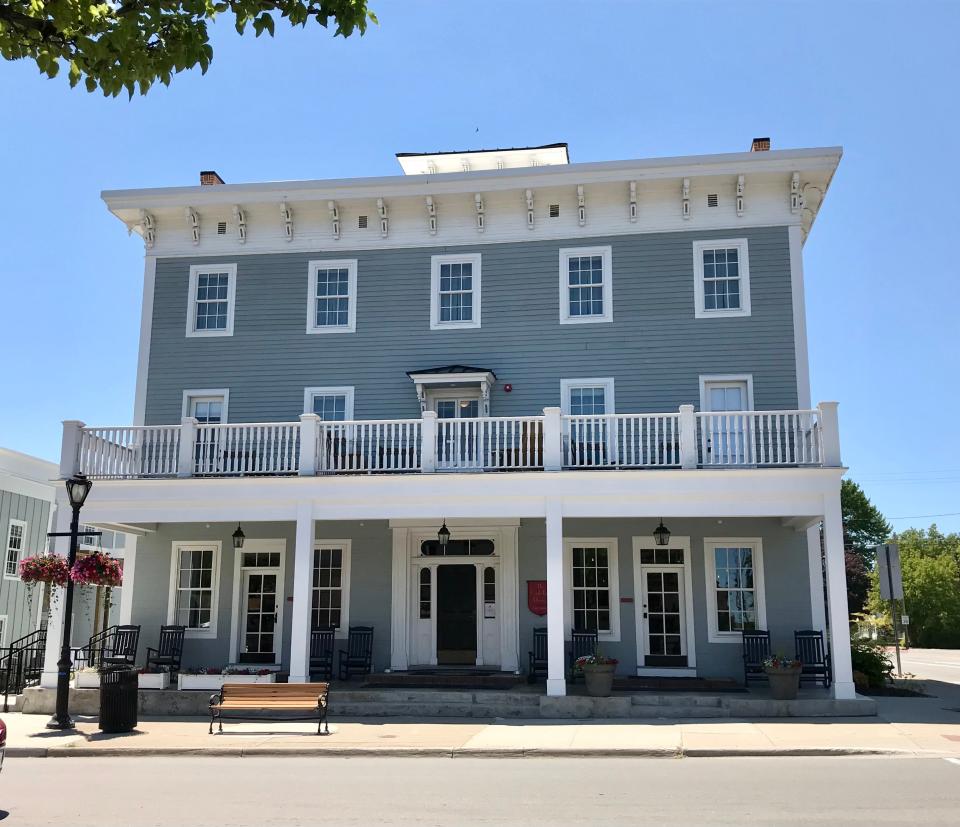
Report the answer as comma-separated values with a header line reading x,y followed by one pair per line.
x,y
97,569
44,568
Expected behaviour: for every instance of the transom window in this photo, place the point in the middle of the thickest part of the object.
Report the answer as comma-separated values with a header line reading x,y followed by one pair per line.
x,y
212,291
330,404
261,559
735,587
455,301
457,548
586,293
332,296
661,556
15,537
327,605
722,278
196,586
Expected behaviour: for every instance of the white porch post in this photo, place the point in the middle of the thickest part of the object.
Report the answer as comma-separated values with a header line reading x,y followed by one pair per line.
x,y
818,611
188,439
56,616
837,598
428,442
302,574
129,573
556,680
552,439
688,437
309,425
830,434
399,580
70,450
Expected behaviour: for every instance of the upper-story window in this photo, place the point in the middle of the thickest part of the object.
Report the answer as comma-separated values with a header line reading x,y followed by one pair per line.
x,y
210,304
721,278
586,397
455,291
332,296
586,285
331,404
16,533
207,405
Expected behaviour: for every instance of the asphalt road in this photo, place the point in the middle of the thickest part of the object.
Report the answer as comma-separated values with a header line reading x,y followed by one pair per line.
x,y
466,791
932,664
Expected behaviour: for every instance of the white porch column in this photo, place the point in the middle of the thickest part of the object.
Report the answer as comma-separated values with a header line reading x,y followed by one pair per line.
x,y
837,598
302,574
556,680
56,615
818,611
428,442
688,437
309,424
129,572
188,439
399,580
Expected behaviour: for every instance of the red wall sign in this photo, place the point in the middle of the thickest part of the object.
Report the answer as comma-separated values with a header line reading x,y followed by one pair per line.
x,y
537,596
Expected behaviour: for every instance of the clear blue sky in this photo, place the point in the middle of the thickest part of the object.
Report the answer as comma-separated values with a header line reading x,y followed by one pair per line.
x,y
615,80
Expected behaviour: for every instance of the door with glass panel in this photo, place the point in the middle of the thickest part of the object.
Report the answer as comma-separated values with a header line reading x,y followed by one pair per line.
x,y
259,642
207,410
663,613
459,435
589,432
727,432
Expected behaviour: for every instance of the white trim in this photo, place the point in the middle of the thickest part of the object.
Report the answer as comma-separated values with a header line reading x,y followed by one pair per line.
x,y
192,394
350,265
607,383
710,581
346,550
700,312
613,563
176,547
6,548
721,379
236,609
606,253
466,258
3,630
642,542
146,332
346,391
195,271
800,350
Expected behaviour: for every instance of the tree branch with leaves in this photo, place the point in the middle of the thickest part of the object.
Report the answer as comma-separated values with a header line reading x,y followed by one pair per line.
x,y
129,46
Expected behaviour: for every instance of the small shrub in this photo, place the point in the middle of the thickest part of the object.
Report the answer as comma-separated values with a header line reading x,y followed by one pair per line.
x,y
870,659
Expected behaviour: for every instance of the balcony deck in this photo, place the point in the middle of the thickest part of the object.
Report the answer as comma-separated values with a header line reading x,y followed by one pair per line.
x,y
551,442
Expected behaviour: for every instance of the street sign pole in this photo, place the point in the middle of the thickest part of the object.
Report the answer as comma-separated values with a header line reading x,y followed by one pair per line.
x,y
893,610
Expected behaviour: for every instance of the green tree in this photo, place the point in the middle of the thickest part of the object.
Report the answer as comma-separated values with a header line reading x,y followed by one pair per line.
x,y
863,525
131,44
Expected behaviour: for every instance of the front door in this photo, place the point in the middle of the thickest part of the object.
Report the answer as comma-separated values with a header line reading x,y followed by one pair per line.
x,y
663,616
457,615
727,434
259,636
458,437
207,410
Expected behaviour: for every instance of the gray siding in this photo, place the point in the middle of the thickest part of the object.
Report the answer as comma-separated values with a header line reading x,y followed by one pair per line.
x,y
17,602
655,348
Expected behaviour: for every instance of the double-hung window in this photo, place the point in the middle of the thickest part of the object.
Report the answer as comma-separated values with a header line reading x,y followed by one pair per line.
x,y
586,285
331,404
330,601
589,437
195,587
593,595
734,577
455,291
332,296
16,534
211,300
721,278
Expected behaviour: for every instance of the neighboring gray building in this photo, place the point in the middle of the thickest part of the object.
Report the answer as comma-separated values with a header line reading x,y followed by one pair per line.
x,y
553,360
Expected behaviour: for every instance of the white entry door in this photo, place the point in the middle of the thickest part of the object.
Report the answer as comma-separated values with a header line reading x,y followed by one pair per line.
x,y
459,437
727,434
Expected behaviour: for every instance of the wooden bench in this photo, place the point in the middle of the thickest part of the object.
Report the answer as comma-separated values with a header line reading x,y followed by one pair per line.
x,y
246,699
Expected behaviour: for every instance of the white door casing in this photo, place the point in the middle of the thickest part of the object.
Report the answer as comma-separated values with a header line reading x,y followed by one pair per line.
x,y
237,614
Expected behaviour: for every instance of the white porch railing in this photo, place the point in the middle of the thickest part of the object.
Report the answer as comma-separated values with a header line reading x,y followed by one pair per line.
x,y
551,442
622,441
766,438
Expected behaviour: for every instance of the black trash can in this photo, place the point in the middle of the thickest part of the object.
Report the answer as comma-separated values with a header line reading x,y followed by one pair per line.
x,y
118,699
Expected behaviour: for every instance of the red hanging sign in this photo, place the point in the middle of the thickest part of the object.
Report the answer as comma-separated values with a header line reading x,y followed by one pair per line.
x,y
537,596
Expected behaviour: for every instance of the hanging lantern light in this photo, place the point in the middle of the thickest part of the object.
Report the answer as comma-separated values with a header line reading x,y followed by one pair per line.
x,y
443,535
238,537
661,534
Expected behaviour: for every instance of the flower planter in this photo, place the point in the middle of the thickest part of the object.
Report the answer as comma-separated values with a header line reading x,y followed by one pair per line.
x,y
214,682
784,683
87,679
153,680
599,678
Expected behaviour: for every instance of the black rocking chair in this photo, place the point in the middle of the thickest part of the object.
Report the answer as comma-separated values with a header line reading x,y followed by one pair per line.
x,y
814,660
538,655
122,650
321,652
582,642
168,652
756,649
357,658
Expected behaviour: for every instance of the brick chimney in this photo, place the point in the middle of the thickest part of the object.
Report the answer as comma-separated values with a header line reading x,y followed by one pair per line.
x,y
209,178
758,145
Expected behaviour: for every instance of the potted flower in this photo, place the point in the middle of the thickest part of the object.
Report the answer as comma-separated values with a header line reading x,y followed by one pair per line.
x,y
213,677
97,569
783,673
597,672
44,568
87,678
153,678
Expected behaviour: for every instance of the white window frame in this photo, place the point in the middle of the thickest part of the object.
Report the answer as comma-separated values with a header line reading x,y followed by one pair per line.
x,y
348,264
566,253
345,547
6,556
346,391
195,271
190,545
607,383
205,394
707,380
611,544
714,635
473,259
700,311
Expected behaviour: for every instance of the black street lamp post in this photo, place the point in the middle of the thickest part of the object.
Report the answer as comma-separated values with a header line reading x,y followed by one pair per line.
x,y
78,487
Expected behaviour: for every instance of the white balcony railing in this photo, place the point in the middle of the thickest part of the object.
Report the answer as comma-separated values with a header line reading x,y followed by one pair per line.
x,y
551,442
